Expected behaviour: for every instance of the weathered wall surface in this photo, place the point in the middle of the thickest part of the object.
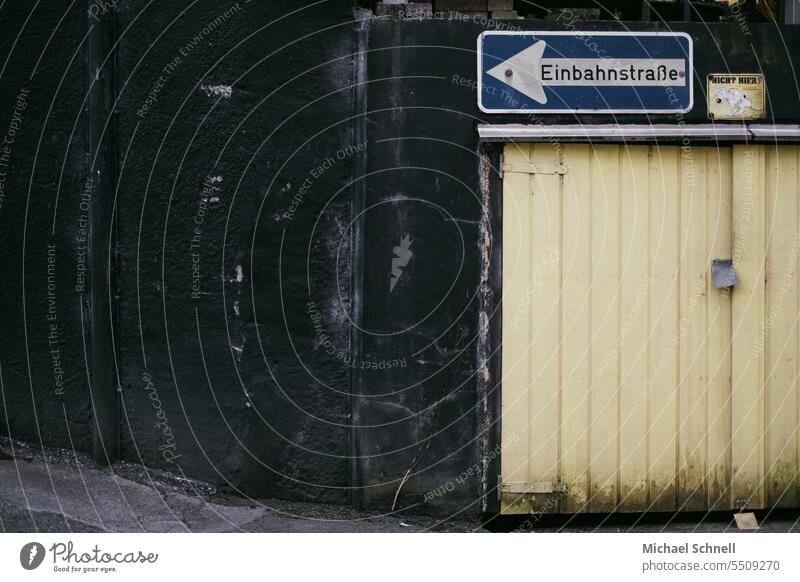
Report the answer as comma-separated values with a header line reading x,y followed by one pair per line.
x,y
422,187
43,175
231,223
248,325
234,141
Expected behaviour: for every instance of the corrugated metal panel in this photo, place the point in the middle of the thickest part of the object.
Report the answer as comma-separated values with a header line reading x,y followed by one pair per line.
x,y
782,341
628,376
748,321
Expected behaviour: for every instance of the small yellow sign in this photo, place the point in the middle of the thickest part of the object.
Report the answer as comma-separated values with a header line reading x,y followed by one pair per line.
x,y
736,96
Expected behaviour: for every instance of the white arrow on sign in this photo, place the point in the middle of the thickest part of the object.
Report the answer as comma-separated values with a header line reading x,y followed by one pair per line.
x,y
523,72
529,73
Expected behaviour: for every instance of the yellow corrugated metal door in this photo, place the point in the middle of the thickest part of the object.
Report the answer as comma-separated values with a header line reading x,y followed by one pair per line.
x,y
629,381
766,310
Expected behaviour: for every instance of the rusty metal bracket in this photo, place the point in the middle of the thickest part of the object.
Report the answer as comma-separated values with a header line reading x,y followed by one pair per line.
x,y
524,168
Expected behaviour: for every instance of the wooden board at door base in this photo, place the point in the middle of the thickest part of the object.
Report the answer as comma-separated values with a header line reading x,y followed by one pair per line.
x,y
629,381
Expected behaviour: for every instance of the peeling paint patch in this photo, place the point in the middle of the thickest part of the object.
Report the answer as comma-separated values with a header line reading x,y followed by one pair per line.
x,y
483,342
239,349
237,334
217,90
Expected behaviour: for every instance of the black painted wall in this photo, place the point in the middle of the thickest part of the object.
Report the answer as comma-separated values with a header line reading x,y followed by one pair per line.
x,y
300,241
43,173
215,261
225,230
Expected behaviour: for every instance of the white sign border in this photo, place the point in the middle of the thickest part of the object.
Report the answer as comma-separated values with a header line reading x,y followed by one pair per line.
x,y
689,76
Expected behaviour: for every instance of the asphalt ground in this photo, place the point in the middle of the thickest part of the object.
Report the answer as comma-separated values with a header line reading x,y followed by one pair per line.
x,y
53,490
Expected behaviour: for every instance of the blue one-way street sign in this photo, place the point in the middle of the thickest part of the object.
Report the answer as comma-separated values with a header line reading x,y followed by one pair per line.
x,y
584,72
